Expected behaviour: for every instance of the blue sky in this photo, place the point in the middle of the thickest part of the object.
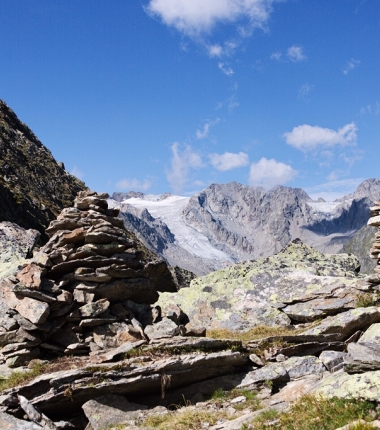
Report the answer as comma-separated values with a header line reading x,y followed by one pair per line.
x,y
173,95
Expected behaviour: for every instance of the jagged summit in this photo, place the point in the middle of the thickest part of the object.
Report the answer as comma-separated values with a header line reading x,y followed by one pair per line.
x,y
227,223
34,187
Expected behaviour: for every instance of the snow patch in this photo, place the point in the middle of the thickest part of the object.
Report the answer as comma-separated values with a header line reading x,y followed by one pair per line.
x,y
169,210
324,207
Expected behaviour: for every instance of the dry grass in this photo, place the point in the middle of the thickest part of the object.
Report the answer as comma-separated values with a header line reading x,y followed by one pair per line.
x,y
18,377
314,413
255,333
251,402
365,300
184,420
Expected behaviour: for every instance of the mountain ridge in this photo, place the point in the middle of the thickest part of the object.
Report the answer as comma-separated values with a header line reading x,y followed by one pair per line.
x,y
244,223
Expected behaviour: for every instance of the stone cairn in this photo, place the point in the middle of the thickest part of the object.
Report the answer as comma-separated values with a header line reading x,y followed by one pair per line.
x,y
374,221
89,289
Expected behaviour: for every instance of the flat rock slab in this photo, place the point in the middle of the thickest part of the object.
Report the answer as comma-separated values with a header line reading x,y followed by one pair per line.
x,y
52,394
347,323
364,386
33,310
362,357
105,411
293,284
104,356
371,335
291,369
9,422
319,308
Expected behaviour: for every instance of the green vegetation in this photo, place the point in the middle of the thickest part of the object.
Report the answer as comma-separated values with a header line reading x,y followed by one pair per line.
x,y
188,419
255,333
313,413
18,378
366,300
21,378
251,401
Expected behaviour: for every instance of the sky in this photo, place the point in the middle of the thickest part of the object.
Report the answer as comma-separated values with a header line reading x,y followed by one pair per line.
x,y
174,95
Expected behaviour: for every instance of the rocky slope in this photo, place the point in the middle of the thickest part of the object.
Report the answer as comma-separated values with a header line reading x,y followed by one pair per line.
x,y
34,188
128,360
71,296
297,285
227,223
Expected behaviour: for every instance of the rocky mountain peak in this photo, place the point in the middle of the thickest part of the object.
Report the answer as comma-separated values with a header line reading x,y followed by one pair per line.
x,y
34,187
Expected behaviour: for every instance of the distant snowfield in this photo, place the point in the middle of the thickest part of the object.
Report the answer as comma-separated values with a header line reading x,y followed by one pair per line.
x,y
325,207
169,210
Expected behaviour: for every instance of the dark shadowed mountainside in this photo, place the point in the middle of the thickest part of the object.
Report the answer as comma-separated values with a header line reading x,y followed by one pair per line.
x,y
34,187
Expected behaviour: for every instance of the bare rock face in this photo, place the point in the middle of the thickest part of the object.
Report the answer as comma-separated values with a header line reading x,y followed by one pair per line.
x,y
297,285
249,222
337,356
16,244
34,188
89,287
230,223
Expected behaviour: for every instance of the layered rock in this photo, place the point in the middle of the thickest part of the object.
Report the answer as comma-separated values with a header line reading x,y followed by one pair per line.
x,y
88,289
16,245
337,354
297,285
374,221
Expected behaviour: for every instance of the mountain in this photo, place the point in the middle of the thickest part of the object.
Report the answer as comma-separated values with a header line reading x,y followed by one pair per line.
x,y
228,223
34,187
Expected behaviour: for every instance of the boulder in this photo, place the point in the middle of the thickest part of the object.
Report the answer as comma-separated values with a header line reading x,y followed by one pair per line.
x,y
358,386
16,245
105,411
165,328
347,323
9,422
299,284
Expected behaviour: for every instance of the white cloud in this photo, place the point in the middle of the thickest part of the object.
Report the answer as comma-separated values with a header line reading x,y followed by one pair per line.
x,y
276,56
373,109
181,164
268,173
295,53
134,185
197,17
202,134
352,157
77,173
229,161
215,50
218,50
307,138
304,90
334,189
351,65
225,69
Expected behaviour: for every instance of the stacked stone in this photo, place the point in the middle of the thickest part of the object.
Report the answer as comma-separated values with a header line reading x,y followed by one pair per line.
x,y
89,288
374,221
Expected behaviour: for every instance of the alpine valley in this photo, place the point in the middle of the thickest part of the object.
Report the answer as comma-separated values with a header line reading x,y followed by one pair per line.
x,y
104,325
230,223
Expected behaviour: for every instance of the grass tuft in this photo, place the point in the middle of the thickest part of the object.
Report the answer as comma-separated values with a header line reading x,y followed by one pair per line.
x,y
366,300
316,413
17,378
188,419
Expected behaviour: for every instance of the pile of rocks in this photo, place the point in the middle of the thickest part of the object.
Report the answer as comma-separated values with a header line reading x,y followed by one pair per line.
x,y
374,221
88,289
